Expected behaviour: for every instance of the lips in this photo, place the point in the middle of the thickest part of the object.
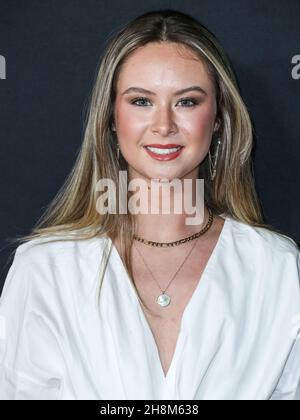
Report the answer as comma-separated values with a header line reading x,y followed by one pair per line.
x,y
164,156
163,146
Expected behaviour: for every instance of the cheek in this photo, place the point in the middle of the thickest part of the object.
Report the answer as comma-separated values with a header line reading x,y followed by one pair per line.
x,y
200,123
129,130
129,122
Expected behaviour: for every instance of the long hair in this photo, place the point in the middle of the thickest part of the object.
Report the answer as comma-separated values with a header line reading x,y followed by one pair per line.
x,y
231,192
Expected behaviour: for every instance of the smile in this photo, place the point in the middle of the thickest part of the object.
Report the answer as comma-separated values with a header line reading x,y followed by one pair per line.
x,y
163,154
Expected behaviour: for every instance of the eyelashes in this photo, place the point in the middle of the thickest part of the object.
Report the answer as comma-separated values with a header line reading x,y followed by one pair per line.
x,y
193,101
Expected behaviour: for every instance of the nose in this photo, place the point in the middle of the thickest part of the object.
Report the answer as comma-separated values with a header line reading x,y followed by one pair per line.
x,y
164,123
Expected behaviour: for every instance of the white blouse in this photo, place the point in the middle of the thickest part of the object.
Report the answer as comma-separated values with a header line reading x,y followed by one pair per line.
x,y
239,336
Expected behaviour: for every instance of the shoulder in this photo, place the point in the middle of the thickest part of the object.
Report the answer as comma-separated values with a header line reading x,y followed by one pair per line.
x,y
48,264
261,269
263,239
264,259
54,250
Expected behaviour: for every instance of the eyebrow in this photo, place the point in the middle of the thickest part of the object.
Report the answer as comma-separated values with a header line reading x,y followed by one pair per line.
x,y
179,92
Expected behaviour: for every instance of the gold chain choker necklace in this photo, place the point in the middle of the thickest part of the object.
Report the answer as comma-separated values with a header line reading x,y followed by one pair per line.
x,y
180,241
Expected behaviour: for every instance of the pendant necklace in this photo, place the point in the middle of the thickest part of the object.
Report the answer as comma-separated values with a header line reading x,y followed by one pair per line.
x,y
164,299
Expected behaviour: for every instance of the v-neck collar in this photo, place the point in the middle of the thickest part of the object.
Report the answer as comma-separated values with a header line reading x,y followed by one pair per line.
x,y
202,282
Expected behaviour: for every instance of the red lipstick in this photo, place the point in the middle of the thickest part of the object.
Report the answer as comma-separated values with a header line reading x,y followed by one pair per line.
x,y
164,157
164,146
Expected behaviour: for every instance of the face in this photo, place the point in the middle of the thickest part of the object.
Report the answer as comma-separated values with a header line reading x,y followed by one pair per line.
x,y
163,116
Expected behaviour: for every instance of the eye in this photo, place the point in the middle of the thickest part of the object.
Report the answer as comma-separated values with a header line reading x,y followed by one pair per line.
x,y
134,102
192,101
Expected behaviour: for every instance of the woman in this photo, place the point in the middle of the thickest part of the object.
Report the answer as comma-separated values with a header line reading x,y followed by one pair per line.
x,y
175,310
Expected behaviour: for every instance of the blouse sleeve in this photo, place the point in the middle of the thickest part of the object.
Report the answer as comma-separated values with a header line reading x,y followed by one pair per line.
x,y
288,387
29,350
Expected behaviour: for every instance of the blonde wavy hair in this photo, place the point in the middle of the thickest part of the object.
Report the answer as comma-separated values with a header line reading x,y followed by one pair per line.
x,y
231,192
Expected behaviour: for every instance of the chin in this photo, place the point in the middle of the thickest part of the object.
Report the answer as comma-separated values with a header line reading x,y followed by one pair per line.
x,y
164,179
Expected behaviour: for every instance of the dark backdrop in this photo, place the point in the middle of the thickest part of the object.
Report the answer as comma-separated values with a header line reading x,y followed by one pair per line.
x,y
52,48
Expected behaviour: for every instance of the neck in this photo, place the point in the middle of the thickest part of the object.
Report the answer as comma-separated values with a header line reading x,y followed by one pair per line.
x,y
167,228
171,226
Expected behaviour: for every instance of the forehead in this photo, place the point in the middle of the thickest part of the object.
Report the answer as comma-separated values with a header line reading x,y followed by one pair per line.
x,y
161,65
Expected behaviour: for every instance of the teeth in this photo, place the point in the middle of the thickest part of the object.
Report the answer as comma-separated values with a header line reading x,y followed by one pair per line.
x,y
163,151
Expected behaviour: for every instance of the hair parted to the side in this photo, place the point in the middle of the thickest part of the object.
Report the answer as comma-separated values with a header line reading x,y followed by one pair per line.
x,y
231,192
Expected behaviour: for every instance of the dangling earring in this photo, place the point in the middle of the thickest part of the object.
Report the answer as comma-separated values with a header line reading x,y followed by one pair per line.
x,y
213,160
113,128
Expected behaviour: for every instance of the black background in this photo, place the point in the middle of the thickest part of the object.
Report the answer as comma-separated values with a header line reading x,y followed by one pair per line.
x,y
52,49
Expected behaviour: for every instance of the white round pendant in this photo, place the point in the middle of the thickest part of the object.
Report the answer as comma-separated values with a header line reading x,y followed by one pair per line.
x,y
163,299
